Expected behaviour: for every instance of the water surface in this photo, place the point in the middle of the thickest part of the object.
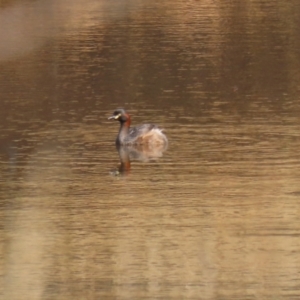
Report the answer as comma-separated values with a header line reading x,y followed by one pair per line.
x,y
215,216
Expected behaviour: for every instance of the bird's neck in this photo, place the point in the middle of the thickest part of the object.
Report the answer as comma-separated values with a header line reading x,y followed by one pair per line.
x,y
123,132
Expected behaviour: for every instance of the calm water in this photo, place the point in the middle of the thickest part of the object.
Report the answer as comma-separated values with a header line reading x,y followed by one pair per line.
x,y
216,215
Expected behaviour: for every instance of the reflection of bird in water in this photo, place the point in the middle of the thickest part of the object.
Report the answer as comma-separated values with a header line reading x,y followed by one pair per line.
x,y
142,153
146,134
124,155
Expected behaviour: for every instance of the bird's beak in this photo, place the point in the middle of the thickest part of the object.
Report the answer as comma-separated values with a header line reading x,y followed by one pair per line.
x,y
114,117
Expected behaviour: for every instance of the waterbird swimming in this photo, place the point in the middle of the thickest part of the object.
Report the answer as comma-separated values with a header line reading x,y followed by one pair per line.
x,y
143,134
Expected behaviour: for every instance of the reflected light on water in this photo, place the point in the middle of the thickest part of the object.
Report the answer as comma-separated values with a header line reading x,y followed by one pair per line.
x,y
27,26
214,216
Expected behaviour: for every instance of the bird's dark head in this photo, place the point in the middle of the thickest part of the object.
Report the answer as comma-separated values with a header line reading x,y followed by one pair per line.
x,y
121,115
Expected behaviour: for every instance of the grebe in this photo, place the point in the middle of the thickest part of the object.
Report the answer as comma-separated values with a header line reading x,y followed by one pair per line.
x,y
143,134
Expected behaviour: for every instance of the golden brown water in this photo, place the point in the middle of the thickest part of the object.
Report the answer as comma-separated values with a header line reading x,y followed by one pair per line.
x,y
216,216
